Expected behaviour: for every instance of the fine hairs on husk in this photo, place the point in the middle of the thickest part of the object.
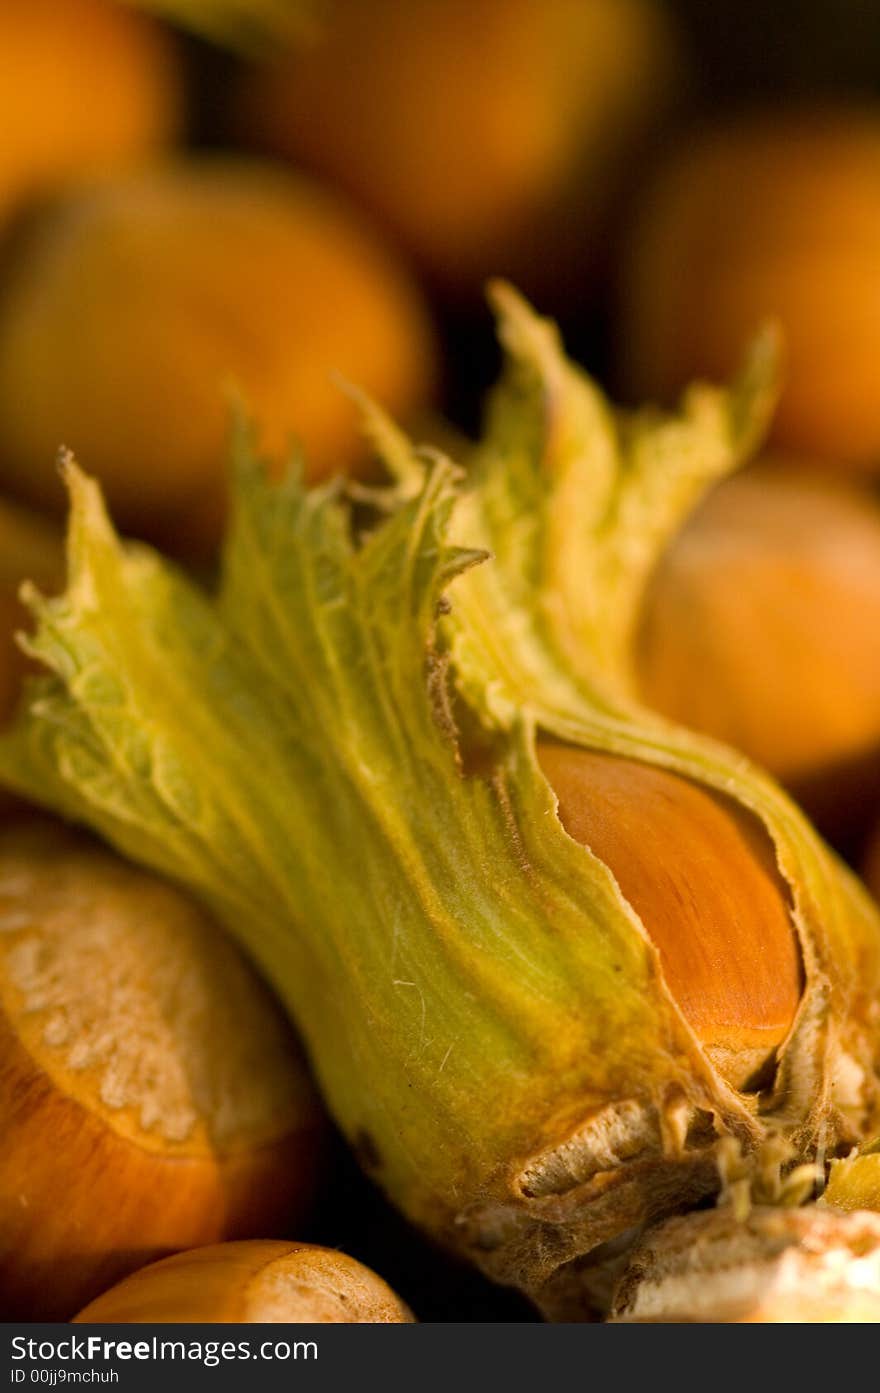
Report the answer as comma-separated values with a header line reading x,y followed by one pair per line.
x,y
485,1012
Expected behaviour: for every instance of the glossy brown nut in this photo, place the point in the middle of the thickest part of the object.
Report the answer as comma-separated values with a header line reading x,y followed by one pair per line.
x,y
151,1097
85,86
774,214
699,873
762,628
181,287
491,136
252,1282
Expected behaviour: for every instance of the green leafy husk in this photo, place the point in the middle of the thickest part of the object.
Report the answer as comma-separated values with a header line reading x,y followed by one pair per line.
x,y
484,1012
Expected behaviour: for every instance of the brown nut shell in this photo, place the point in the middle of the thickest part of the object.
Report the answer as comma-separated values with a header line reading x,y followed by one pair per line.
x,y
85,86
252,1282
151,1097
490,136
700,874
803,246
181,287
761,627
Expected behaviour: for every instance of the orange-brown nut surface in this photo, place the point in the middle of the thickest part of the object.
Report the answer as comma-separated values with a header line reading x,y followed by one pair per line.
x,y
491,136
762,628
774,214
85,85
151,1097
253,1282
134,310
700,875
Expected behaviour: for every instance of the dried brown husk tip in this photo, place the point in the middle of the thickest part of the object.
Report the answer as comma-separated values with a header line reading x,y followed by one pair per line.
x,y
775,1266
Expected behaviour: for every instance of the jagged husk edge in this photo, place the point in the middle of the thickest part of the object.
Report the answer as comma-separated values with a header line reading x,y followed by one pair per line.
x,y
470,986
485,1014
556,461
